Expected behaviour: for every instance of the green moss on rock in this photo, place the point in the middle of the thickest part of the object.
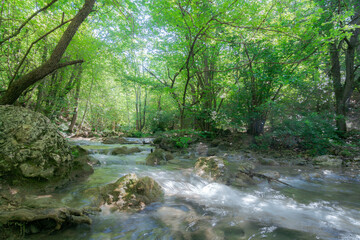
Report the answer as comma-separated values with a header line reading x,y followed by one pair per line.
x,y
128,193
158,157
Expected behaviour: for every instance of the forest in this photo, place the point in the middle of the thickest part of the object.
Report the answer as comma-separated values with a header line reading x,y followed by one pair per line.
x,y
255,103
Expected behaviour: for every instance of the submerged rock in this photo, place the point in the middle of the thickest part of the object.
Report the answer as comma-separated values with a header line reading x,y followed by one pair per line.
x,y
125,150
25,221
31,149
128,192
82,166
158,157
270,173
116,140
327,161
31,214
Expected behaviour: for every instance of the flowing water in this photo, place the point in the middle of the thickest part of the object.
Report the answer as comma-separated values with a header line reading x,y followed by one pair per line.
x,y
322,204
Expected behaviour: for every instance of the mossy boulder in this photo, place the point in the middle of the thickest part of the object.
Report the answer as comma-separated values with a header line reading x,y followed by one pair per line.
x,y
212,168
78,151
31,148
128,193
165,143
218,169
125,150
82,166
158,157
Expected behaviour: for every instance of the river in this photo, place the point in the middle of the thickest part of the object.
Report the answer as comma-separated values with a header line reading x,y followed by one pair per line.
x,y
321,204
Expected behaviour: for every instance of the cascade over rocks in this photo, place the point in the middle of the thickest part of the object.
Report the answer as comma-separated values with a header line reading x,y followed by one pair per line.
x,y
116,140
125,150
32,150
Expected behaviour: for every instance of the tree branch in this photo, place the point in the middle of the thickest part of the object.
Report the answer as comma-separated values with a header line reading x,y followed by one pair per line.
x,y
32,44
27,21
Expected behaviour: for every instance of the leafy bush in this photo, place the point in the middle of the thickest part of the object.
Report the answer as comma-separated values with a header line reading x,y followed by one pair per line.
x,y
314,133
182,142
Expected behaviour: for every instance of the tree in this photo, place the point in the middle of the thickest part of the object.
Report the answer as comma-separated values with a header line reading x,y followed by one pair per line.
x,y
19,85
343,52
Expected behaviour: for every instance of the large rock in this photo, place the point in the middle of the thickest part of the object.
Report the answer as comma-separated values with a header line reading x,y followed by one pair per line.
x,y
217,169
158,157
212,168
128,193
327,161
31,148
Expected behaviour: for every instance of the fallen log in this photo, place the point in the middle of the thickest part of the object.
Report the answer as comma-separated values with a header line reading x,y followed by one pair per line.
x,y
259,175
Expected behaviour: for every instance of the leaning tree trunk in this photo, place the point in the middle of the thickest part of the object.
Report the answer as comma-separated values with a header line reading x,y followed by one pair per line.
x,y
16,88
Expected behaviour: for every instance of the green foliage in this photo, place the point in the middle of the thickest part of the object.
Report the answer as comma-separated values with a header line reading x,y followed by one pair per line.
x,y
135,134
314,133
182,142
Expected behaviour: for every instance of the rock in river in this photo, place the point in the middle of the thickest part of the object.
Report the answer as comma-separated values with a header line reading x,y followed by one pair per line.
x,y
212,168
128,193
158,157
32,150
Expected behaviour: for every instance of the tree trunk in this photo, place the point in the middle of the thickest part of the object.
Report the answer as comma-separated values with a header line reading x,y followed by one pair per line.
x,y
16,88
76,108
87,104
256,125
343,91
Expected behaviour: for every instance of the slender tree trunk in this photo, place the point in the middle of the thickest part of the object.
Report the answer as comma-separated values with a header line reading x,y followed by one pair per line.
x,y
87,103
16,88
137,108
144,112
76,108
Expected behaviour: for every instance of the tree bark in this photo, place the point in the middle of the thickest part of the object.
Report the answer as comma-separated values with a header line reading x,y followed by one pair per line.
x,y
343,91
256,125
53,63
76,108
87,104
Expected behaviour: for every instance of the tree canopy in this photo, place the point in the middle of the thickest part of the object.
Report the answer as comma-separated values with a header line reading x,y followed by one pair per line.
x,y
156,65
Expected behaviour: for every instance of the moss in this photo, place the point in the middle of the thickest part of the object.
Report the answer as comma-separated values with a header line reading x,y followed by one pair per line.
x,y
131,192
125,150
158,157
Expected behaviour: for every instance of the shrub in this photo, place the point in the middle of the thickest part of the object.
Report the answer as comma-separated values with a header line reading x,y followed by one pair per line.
x,y
314,133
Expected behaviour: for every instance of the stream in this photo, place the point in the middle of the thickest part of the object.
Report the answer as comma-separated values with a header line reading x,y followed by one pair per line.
x,y
322,204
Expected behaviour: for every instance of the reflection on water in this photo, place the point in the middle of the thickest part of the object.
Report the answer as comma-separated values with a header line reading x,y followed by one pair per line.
x,y
316,208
